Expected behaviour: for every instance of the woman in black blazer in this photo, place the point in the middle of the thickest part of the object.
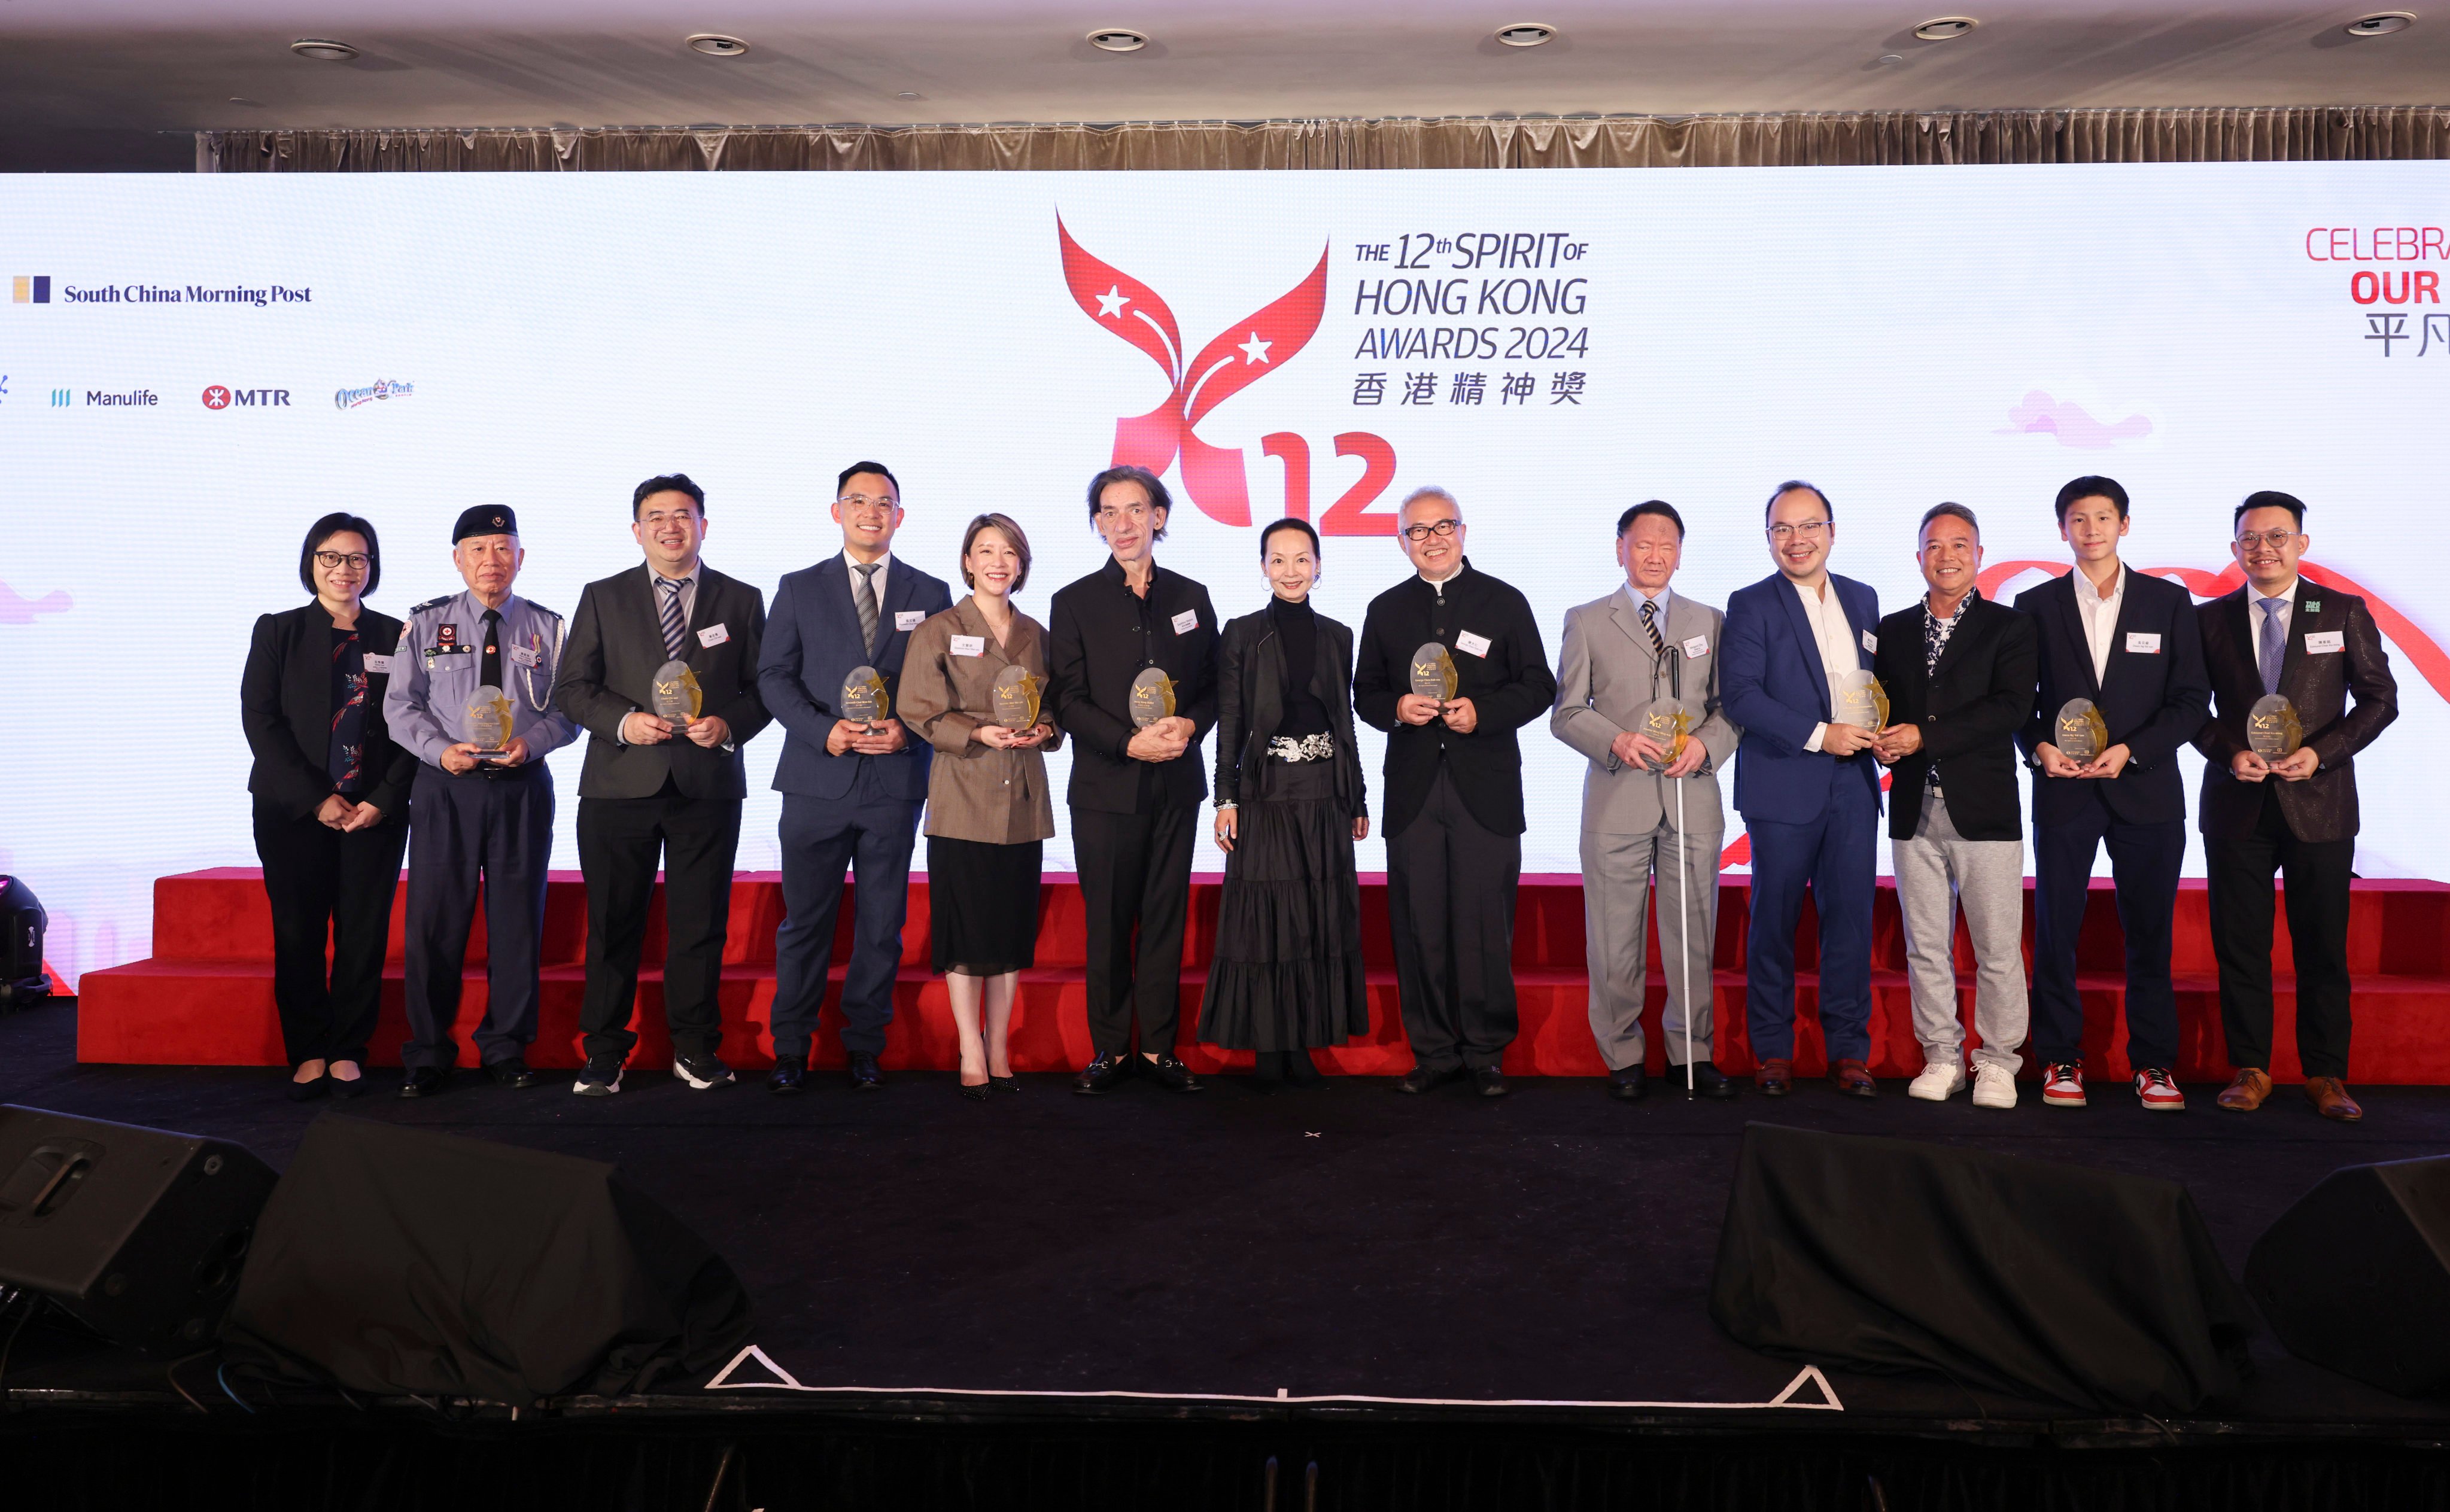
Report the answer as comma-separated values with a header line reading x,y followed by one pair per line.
x,y
1290,804
331,802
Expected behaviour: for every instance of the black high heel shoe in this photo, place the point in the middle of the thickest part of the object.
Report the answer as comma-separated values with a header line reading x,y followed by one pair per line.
x,y
977,1094
1003,1083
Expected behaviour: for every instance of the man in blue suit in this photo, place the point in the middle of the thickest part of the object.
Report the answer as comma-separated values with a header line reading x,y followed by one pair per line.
x,y
2133,645
851,792
1808,787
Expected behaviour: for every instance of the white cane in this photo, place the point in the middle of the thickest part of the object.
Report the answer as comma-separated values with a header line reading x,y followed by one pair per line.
x,y
1685,930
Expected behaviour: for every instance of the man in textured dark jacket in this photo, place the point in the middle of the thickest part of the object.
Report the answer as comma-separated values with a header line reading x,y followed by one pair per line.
x,y
1454,792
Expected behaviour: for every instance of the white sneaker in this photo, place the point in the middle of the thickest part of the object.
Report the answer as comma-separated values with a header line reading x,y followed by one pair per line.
x,y
1994,1086
1939,1081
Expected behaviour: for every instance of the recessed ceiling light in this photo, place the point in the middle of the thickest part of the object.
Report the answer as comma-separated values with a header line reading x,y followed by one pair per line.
x,y
715,45
2380,24
1117,39
907,94
1526,33
1890,60
239,99
323,50
1942,29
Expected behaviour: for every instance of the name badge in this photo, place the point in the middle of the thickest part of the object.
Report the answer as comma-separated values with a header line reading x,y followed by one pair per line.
x,y
1477,645
526,656
1696,647
1870,643
969,646
382,663
1186,622
713,635
2318,642
907,619
2141,645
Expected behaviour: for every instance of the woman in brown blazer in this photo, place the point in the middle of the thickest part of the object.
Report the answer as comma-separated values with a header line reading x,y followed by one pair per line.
x,y
988,814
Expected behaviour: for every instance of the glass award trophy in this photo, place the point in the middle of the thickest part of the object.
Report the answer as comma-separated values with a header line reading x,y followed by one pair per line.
x,y
2273,730
1433,673
677,698
2080,734
1861,701
1152,697
488,724
1015,698
1669,723
864,697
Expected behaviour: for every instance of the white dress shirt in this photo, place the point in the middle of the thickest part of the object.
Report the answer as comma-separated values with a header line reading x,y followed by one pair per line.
x,y
689,597
884,569
2287,610
1837,642
2100,616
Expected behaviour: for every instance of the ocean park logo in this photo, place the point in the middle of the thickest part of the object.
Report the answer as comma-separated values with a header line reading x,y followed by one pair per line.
x,y
380,389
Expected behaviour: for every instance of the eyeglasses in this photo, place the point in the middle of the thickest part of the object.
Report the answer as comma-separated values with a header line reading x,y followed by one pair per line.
x,y
659,517
336,559
863,504
2277,540
1421,532
1809,530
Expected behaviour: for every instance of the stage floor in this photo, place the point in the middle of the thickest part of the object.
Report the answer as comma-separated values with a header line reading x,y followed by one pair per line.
x,y
908,1248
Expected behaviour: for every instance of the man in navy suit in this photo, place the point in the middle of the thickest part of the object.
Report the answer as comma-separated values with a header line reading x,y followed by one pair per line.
x,y
2130,644
1808,787
851,792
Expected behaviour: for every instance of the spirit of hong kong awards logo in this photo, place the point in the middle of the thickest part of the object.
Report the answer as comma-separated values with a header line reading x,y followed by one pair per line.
x,y
1239,356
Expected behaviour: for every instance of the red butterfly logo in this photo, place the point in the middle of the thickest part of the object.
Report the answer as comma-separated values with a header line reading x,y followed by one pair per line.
x,y
1238,357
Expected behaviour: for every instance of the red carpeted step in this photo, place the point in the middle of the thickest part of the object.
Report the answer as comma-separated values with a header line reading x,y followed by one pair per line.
x,y
207,996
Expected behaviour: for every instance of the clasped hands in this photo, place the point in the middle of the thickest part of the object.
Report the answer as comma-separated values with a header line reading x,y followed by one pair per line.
x,y
851,737
2057,763
1458,713
1162,741
349,818
462,757
2294,768
1641,751
646,730
1004,738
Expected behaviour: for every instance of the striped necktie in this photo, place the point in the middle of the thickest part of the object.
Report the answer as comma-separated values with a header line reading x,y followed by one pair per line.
x,y
1650,623
675,627
864,598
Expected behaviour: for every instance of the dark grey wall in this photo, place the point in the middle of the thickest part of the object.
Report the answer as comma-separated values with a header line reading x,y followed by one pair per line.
x,y
35,149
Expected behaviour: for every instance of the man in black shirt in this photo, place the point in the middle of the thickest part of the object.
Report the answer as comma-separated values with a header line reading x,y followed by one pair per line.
x,y
1454,792
1136,792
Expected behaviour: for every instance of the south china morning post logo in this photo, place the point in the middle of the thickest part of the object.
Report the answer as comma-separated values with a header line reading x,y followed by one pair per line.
x,y
382,389
26,288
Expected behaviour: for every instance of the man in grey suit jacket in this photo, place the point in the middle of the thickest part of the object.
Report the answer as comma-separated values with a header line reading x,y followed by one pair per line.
x,y
1640,644
653,788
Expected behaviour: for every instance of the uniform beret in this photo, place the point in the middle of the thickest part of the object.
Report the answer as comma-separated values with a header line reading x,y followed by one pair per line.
x,y
484,519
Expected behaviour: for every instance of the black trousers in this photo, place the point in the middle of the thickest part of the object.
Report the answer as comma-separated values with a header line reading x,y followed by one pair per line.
x,y
2144,861
2317,872
325,885
1451,889
618,842
1135,874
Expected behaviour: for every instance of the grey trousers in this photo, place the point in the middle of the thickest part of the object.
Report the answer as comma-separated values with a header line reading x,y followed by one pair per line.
x,y
1939,872
1615,893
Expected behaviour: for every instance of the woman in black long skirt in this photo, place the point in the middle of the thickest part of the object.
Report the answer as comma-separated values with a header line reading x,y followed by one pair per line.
x,y
1290,804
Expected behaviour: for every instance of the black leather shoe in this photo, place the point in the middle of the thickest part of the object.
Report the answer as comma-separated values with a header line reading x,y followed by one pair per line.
x,y
309,1090
1489,1082
1420,1078
1629,1084
865,1075
791,1073
511,1071
1172,1074
1101,1074
348,1087
425,1081
1708,1080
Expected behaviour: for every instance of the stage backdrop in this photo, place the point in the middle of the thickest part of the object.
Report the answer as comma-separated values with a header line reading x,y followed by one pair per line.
x,y
196,367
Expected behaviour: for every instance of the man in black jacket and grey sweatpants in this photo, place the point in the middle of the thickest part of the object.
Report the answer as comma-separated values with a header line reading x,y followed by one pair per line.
x,y
1454,792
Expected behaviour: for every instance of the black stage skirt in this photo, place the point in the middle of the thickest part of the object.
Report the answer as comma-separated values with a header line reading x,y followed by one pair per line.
x,y
1288,967
982,905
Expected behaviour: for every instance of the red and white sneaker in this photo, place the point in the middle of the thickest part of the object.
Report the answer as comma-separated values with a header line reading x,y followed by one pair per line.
x,y
2158,1092
2062,1085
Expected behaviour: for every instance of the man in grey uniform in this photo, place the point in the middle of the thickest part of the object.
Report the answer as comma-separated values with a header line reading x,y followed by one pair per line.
x,y
488,820
1640,644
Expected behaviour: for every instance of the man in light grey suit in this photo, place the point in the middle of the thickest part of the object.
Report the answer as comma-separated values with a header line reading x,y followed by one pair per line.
x,y
1640,644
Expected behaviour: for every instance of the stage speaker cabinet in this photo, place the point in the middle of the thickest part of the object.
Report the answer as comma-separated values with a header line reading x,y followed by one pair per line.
x,y
139,1233
2356,1277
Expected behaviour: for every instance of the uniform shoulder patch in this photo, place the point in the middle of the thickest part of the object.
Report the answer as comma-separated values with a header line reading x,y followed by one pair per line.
x,y
549,613
432,603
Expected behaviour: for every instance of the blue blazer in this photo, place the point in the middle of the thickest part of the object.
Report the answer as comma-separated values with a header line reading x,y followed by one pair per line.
x,y
811,646
1771,683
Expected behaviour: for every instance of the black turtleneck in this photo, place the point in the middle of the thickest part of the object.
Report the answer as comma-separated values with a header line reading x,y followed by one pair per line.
x,y
1297,632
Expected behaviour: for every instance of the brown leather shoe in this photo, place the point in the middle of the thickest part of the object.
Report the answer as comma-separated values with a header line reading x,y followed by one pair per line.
x,y
1852,1079
2330,1098
2247,1090
1774,1078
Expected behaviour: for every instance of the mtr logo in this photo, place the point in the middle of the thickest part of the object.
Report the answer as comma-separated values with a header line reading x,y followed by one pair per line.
x,y
1237,357
221,396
